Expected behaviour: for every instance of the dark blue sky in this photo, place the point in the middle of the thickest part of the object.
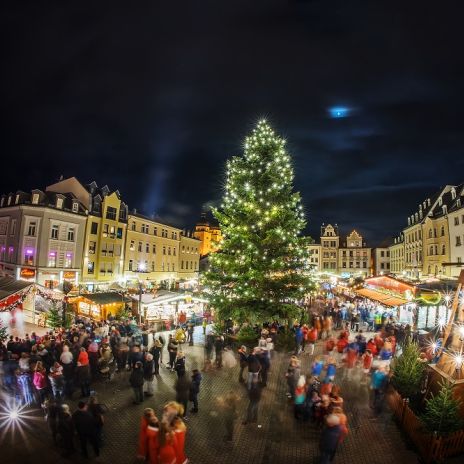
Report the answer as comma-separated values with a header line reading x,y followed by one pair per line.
x,y
152,99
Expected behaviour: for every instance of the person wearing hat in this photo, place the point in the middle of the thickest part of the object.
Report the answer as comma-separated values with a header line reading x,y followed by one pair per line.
x,y
330,438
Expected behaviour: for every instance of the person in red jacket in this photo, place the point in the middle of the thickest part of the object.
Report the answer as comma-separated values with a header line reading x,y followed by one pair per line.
x,y
342,343
312,337
83,358
148,418
372,347
305,331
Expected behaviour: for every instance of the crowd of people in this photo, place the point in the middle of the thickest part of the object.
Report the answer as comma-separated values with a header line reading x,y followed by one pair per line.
x,y
47,371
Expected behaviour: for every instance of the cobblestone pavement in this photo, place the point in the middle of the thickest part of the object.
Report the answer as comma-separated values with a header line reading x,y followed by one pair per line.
x,y
277,439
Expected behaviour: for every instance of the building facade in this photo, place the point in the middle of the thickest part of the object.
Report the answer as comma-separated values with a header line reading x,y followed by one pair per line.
x,y
152,250
41,237
210,236
314,260
396,250
189,257
456,230
354,255
105,232
381,260
330,243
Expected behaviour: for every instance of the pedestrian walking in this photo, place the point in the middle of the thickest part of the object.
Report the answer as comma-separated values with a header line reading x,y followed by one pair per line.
x,y
218,347
254,396
229,407
96,411
329,439
83,375
243,359
148,374
195,389
156,353
179,365
86,429
172,350
182,387
65,428
136,380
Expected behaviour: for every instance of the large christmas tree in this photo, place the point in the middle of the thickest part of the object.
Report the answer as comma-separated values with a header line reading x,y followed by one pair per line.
x,y
260,272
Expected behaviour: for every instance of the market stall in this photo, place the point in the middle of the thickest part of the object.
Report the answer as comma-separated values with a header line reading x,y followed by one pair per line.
x,y
418,307
99,306
166,305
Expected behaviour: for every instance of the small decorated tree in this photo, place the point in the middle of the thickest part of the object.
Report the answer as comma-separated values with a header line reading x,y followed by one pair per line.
x,y
54,317
442,411
3,333
408,371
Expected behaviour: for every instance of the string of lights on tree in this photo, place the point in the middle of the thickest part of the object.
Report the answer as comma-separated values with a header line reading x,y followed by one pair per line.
x,y
260,268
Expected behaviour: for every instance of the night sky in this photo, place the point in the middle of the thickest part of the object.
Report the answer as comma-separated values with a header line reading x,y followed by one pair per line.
x,y
152,98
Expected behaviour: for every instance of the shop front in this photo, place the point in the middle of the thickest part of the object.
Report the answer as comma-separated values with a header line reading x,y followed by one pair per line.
x,y
420,308
176,307
98,306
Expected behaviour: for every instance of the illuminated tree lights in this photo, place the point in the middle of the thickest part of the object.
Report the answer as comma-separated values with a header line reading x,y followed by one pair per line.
x,y
259,272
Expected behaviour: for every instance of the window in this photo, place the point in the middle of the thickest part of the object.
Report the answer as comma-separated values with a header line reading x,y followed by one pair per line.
x,y
131,264
90,267
169,251
32,228
443,250
182,264
71,234
13,227
140,246
155,230
52,259
132,245
75,207
10,253
382,265
94,228
106,228
344,264
119,233
68,259
35,198
164,250
147,248
388,254
174,251
456,221
59,203
133,227
364,264
153,248
458,240
152,266
54,232
111,213
109,268
173,267
29,256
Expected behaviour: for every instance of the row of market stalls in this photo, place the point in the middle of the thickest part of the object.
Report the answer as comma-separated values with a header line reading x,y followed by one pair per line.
x,y
416,305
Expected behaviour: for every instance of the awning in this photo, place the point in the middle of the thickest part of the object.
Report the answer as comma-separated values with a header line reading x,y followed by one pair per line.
x,y
104,298
383,298
10,286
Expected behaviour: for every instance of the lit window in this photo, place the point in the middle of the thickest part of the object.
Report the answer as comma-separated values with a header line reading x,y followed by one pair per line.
x,y
90,267
59,203
35,198
132,245
52,259
29,256
71,234
75,207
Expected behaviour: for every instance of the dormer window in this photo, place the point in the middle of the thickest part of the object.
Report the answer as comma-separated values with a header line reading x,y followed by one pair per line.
x,y
75,207
2,202
445,209
440,201
458,202
453,193
59,203
9,200
35,198
17,199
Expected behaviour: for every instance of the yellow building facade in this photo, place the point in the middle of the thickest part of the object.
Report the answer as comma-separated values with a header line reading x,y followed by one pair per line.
x,y
210,237
103,257
397,255
354,257
189,257
152,251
